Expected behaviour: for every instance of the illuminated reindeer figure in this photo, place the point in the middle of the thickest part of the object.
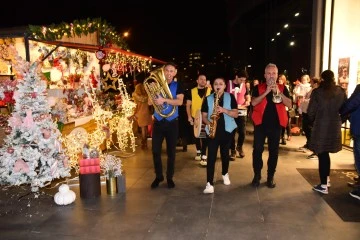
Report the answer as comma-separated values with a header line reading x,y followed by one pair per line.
x,y
122,123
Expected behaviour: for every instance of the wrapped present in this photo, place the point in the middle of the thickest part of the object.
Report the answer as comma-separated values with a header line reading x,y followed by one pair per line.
x,y
89,170
89,162
90,185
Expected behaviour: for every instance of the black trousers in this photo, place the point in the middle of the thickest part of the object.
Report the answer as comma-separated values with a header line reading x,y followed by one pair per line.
x,y
168,131
241,130
306,127
324,166
201,145
273,136
214,145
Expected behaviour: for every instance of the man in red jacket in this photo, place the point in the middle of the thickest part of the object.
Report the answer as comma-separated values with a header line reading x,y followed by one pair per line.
x,y
269,116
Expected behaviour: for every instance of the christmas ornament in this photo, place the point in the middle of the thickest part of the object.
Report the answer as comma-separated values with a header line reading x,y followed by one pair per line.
x,y
65,196
10,150
8,130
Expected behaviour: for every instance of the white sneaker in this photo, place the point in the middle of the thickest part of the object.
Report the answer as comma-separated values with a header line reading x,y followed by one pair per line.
x,y
198,156
209,188
226,179
203,161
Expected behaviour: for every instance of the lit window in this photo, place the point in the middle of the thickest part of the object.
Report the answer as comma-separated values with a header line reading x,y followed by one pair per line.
x,y
297,14
278,34
286,25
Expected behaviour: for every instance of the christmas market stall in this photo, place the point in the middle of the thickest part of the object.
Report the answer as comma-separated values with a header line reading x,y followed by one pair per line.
x,y
63,86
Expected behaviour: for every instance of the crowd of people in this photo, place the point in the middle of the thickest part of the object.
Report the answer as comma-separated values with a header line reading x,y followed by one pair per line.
x,y
218,112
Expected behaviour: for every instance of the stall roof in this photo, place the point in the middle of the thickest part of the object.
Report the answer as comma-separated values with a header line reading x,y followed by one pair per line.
x,y
88,47
21,32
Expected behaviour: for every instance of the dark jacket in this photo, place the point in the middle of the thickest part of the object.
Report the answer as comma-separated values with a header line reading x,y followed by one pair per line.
x,y
323,112
352,107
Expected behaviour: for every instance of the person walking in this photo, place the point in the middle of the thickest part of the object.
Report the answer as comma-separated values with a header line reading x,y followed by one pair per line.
x,y
142,112
269,116
218,112
323,113
194,99
282,80
238,88
306,125
166,126
352,107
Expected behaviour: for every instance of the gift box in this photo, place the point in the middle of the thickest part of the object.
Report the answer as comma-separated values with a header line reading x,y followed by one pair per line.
x,y
89,162
89,169
90,185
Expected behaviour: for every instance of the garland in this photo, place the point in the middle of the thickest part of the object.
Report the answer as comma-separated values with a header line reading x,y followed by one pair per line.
x,y
107,33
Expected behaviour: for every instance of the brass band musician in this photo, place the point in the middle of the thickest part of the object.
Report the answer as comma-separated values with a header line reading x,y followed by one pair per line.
x,y
238,88
218,112
166,125
269,100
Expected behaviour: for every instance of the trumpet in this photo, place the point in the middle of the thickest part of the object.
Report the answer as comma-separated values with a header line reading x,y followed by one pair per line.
x,y
276,96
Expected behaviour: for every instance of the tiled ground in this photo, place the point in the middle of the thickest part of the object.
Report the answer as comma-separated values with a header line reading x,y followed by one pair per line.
x,y
289,211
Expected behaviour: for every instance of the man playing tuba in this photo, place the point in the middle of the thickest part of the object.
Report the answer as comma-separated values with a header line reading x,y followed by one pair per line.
x,y
166,125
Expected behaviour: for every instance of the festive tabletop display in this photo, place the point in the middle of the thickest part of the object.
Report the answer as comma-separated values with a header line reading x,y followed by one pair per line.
x,y
32,152
65,196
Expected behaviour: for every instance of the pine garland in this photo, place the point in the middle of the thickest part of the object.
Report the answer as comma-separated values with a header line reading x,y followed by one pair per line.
x,y
53,32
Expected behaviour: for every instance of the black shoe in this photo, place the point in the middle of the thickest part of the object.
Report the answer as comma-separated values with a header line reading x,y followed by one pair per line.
x,y
232,155
256,180
283,141
354,184
241,152
156,182
170,183
270,183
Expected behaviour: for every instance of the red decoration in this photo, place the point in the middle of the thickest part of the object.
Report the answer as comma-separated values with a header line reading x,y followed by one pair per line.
x,y
94,82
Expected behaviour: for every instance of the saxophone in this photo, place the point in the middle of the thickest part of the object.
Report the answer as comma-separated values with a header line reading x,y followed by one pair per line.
x,y
214,117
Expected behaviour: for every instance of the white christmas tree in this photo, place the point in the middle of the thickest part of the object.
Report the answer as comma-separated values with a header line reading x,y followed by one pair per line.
x,y
32,153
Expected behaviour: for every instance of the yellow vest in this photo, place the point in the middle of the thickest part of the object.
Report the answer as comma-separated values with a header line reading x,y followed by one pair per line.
x,y
196,100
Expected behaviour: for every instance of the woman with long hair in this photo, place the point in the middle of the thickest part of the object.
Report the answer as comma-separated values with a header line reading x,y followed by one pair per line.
x,y
323,111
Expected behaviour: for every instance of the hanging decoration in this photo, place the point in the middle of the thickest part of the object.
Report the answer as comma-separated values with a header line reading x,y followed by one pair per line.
x,y
107,33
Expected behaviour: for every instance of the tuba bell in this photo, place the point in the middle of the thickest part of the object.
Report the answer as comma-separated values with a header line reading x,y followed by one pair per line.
x,y
156,85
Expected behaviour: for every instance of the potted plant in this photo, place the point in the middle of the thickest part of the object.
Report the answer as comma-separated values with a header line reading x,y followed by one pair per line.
x,y
111,166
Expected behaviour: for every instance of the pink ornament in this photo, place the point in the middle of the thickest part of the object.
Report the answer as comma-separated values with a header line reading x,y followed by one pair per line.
x,y
8,130
46,133
28,120
10,150
21,166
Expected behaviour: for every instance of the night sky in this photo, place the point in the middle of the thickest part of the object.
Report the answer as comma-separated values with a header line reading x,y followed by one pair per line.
x,y
161,29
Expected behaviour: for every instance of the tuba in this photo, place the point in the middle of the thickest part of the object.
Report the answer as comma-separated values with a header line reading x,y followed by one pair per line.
x,y
156,85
